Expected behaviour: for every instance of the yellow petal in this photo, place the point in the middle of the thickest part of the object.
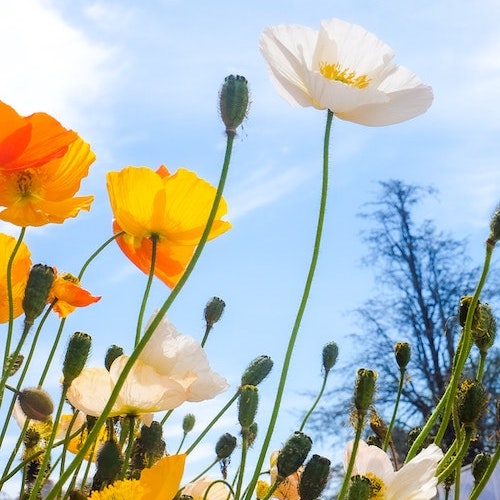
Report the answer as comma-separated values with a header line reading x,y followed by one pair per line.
x,y
163,479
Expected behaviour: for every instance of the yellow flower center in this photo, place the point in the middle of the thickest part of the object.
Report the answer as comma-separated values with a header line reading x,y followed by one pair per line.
x,y
24,182
127,489
344,75
377,487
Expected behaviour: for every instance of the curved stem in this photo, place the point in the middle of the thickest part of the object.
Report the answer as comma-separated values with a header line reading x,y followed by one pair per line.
x,y
316,401
300,312
150,330
387,438
97,252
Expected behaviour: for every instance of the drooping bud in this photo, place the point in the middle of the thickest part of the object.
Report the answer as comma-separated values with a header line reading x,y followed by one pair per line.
x,y
378,426
479,465
37,292
76,356
213,311
364,389
112,353
471,401
233,100
225,446
359,488
108,462
35,403
314,478
485,332
293,454
494,235
252,433
257,371
188,423
330,353
247,406
402,351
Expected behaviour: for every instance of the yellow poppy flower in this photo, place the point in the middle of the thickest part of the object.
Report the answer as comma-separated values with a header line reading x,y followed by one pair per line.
x,y
173,208
39,195
345,69
69,294
20,272
159,482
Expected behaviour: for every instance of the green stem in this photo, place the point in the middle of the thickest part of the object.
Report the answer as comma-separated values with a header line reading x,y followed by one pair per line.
x,y
481,366
203,472
205,336
154,240
242,467
316,401
92,436
387,438
352,460
456,462
97,252
130,446
300,312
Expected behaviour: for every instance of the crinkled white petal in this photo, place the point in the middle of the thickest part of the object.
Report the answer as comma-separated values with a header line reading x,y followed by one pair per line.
x,y
295,54
369,459
417,479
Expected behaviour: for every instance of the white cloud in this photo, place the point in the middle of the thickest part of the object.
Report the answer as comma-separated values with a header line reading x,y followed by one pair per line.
x,y
48,65
264,187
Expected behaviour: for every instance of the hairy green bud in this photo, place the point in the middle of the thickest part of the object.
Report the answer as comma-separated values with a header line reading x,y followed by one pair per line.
x,y
257,371
233,101
293,454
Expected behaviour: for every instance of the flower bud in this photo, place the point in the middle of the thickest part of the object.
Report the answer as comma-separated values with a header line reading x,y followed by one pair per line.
x,y
330,353
479,465
233,100
188,423
252,433
108,462
293,454
378,426
225,446
247,406
314,478
213,311
37,291
14,366
471,401
485,332
76,357
112,353
364,389
359,488
463,310
31,437
494,235
36,403
257,371
402,351
151,437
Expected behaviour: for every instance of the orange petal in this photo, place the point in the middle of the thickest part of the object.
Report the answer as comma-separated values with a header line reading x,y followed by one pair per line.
x,y
69,295
163,479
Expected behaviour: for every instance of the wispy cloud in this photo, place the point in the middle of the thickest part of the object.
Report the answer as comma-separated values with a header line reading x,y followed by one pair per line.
x,y
263,187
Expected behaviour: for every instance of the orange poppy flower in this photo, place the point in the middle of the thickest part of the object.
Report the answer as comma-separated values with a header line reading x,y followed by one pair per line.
x,y
31,141
173,208
69,294
20,272
41,168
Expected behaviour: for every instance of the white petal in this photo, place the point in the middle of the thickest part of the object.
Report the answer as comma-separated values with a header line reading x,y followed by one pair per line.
x,y
416,480
369,459
197,490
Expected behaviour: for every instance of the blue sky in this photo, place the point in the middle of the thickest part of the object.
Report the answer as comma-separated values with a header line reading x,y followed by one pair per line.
x,y
139,81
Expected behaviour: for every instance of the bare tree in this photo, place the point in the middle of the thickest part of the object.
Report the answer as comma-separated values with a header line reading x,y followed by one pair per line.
x,y
421,274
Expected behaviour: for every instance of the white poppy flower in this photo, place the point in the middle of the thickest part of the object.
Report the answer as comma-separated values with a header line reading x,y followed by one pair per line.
x,y
345,69
416,480
198,489
171,369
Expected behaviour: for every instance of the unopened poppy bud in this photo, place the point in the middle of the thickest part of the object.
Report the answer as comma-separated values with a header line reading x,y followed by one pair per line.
x,y
112,353
314,478
14,366
359,488
252,433
151,437
213,310
330,353
402,351
225,446
479,465
37,291
188,423
471,401
364,389
233,99
293,454
257,371
378,426
35,403
463,310
247,406
494,235
108,462
76,356
485,331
